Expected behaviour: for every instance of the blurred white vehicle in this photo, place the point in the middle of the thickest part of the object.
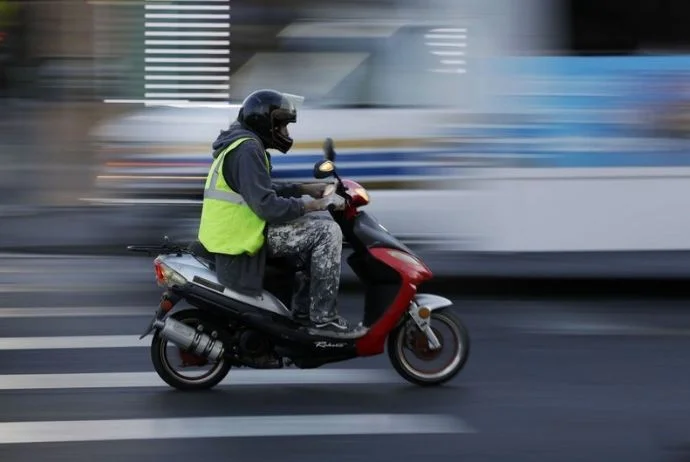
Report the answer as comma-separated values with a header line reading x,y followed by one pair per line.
x,y
562,162
162,155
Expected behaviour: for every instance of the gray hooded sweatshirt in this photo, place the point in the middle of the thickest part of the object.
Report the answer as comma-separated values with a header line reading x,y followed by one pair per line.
x,y
245,172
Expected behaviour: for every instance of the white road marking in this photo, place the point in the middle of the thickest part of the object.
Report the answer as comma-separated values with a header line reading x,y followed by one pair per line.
x,y
187,7
69,287
601,329
224,427
40,256
234,378
68,342
82,311
53,269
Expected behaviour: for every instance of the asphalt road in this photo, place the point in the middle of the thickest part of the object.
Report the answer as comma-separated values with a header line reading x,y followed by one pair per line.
x,y
548,379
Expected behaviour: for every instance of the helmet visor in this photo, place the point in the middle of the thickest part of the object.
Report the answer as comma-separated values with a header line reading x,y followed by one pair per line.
x,y
287,112
292,102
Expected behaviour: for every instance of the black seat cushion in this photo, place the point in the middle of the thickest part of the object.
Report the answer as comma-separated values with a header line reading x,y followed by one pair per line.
x,y
282,264
279,277
199,251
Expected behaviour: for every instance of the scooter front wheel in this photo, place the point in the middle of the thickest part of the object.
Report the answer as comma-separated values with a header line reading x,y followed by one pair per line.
x,y
407,343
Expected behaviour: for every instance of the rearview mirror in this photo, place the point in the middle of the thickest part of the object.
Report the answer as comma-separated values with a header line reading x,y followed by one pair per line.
x,y
324,169
328,151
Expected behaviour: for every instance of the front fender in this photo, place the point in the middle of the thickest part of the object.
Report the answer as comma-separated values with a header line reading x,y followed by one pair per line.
x,y
433,302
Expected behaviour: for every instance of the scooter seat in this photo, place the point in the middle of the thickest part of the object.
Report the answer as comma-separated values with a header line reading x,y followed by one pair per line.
x,y
200,252
281,264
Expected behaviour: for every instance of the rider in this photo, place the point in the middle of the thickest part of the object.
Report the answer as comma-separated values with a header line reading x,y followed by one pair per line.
x,y
246,217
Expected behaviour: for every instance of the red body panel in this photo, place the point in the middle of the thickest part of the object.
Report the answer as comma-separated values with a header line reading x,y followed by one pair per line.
x,y
374,341
357,193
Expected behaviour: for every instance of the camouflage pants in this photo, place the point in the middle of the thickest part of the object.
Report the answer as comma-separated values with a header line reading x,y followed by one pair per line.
x,y
317,242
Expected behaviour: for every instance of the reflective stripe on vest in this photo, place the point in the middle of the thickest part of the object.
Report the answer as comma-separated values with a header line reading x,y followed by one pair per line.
x,y
212,192
228,225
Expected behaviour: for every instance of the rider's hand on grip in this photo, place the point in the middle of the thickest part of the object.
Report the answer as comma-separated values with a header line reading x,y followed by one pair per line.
x,y
317,205
315,190
335,202
331,202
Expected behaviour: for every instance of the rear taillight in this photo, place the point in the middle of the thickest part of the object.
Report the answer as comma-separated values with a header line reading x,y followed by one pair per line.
x,y
166,276
160,276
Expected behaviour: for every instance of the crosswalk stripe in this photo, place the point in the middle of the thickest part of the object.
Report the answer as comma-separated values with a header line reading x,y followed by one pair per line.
x,y
68,287
171,427
73,342
40,256
573,328
82,311
46,269
224,427
234,378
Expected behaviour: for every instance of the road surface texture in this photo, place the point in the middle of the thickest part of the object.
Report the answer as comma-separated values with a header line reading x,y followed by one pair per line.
x,y
548,379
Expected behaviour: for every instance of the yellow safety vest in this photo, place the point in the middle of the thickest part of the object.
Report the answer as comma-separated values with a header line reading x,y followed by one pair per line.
x,y
228,226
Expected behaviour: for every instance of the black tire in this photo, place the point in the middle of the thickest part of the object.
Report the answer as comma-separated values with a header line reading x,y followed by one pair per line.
x,y
397,338
166,372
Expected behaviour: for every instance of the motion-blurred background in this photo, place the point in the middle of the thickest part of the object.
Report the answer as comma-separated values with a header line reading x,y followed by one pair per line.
x,y
482,126
543,138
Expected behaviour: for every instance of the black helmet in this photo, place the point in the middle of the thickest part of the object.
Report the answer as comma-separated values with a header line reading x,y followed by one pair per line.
x,y
267,113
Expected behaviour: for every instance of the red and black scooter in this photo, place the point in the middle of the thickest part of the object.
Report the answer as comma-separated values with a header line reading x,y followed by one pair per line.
x,y
226,329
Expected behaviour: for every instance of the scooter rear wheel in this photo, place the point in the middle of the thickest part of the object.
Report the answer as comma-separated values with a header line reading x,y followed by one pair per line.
x,y
163,352
408,336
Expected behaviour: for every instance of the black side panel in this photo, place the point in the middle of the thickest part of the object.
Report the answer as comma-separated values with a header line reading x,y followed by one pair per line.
x,y
280,282
381,283
305,362
212,301
232,309
207,283
369,232
371,271
282,331
377,299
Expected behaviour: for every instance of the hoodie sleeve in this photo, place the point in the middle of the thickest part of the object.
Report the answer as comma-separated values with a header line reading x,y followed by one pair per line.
x,y
283,188
287,189
246,173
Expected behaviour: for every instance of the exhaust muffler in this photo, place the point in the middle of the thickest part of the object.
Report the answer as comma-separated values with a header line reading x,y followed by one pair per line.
x,y
190,339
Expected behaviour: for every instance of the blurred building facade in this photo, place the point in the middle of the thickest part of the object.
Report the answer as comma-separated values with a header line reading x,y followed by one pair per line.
x,y
45,122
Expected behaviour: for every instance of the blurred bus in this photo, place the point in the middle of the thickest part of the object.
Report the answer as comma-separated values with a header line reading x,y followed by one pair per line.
x,y
497,126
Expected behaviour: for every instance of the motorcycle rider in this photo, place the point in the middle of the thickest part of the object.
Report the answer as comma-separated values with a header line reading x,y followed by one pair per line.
x,y
246,218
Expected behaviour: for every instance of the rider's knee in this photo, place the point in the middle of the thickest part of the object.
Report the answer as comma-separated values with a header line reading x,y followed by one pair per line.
x,y
331,232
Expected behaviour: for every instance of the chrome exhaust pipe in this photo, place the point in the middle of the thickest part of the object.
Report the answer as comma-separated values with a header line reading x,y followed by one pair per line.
x,y
190,339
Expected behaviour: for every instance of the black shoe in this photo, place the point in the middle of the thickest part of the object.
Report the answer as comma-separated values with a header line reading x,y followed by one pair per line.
x,y
302,319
